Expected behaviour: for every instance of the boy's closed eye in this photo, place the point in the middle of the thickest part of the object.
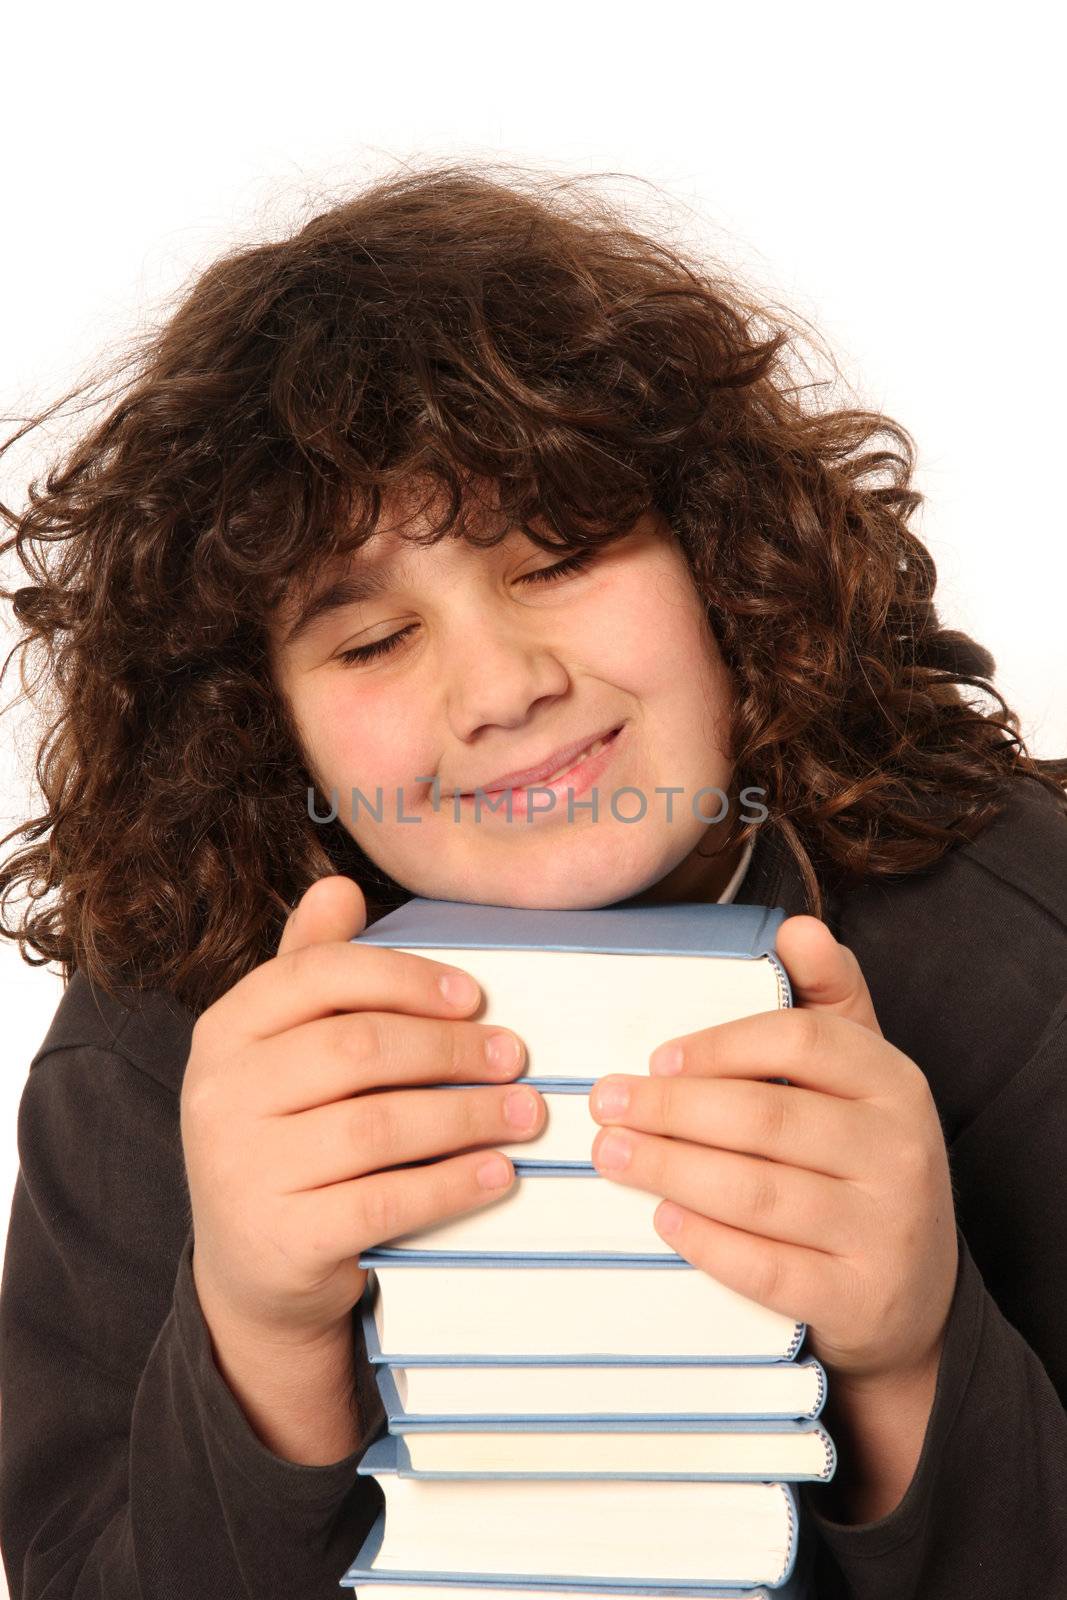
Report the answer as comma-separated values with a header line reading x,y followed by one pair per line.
x,y
580,561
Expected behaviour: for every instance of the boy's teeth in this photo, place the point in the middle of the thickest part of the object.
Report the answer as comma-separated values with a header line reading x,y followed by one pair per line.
x,y
583,755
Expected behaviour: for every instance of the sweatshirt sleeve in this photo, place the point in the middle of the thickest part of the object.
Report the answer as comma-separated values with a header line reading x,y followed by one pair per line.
x,y
127,1467
985,1514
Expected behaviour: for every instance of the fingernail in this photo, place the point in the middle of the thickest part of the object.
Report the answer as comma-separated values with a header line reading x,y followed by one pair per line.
x,y
666,1061
668,1218
459,988
494,1173
520,1108
612,1098
614,1152
502,1051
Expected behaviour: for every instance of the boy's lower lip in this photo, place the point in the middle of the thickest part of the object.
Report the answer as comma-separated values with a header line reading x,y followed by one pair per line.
x,y
579,778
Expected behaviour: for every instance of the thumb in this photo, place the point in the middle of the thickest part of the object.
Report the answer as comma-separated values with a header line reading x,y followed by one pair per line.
x,y
824,975
331,908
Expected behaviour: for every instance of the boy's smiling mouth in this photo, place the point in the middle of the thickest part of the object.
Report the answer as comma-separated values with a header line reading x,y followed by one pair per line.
x,y
570,778
568,758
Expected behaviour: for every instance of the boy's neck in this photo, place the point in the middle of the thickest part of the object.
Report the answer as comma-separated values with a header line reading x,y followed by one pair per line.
x,y
696,880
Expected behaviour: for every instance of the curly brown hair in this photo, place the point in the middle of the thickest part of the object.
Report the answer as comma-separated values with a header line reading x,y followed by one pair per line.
x,y
459,325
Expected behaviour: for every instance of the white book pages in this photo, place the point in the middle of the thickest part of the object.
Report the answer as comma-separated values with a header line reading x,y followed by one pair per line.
x,y
788,1390
588,1528
567,1135
550,1212
457,1310
582,1014
764,1455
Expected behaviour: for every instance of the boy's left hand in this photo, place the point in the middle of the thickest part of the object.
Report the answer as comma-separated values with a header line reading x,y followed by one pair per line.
x,y
828,1199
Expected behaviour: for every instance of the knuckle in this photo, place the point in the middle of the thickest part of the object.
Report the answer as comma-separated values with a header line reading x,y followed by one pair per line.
x,y
771,1115
304,962
913,1159
481,1113
380,1211
313,964
462,1116
199,1097
372,1128
650,1160
767,1278
672,1105
461,1051
807,1031
762,1196
362,1039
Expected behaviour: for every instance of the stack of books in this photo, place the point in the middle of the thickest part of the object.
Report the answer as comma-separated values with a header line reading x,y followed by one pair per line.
x,y
572,1407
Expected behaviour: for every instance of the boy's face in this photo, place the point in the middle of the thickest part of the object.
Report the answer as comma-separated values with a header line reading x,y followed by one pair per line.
x,y
494,673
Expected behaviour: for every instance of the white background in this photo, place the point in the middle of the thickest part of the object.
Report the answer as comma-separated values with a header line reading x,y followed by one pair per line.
x,y
894,175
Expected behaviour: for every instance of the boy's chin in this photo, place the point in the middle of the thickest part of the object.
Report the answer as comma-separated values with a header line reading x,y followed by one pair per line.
x,y
558,885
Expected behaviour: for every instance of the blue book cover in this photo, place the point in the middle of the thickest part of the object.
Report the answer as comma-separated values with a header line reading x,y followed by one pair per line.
x,y
813,1463
606,1258
787,1344
400,1418
688,929
794,1586
380,1461
713,963
608,1027
520,1259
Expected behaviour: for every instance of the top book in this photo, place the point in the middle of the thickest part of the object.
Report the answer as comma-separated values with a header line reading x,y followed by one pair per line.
x,y
555,978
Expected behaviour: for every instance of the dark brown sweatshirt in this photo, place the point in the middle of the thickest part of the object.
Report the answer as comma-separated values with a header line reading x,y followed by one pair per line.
x,y
129,1472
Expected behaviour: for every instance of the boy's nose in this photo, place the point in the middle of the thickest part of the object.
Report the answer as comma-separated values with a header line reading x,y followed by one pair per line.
x,y
498,681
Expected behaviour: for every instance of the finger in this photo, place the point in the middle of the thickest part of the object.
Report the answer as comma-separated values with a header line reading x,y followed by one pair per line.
x,y
336,975
762,1197
791,1279
333,907
800,1127
348,1054
824,974
343,1219
352,1138
814,1049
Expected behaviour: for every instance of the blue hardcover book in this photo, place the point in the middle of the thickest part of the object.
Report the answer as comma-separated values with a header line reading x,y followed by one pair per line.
x,y
624,1533
596,991
740,1449
442,1585
653,1392
588,992
694,928
552,1213
544,1586
571,1308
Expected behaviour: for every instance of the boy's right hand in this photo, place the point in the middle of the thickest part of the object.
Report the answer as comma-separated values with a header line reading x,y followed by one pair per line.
x,y
285,1136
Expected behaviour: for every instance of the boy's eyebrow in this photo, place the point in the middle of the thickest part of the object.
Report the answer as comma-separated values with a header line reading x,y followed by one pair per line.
x,y
350,590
